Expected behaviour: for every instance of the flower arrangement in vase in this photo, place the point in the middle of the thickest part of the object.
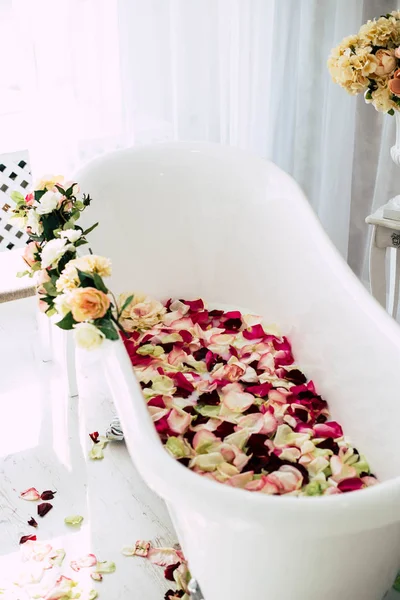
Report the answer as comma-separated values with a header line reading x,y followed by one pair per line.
x,y
369,62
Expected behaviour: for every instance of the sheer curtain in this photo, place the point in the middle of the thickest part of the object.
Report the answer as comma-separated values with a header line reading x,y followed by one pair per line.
x,y
100,74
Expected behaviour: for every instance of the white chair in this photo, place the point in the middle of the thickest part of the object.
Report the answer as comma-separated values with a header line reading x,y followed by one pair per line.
x,y
198,220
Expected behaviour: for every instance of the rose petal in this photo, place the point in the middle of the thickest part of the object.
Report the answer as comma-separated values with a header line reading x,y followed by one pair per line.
x,y
57,557
105,567
32,522
330,429
26,538
141,548
351,484
235,398
92,595
164,557
62,589
73,520
94,436
84,562
44,508
30,494
47,495
96,576
178,421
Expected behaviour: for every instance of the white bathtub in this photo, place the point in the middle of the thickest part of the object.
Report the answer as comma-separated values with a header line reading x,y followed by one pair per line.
x,y
198,220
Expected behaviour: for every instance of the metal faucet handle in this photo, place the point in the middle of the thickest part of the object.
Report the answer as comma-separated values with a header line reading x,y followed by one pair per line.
x,y
114,432
194,590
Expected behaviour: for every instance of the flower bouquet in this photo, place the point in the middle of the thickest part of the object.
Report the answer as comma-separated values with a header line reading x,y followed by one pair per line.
x,y
369,61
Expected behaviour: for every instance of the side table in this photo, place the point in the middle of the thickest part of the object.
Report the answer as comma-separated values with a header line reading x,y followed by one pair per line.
x,y
385,235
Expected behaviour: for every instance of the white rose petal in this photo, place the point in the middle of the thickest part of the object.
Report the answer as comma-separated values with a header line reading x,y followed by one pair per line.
x,y
34,223
53,251
48,202
62,306
71,235
88,336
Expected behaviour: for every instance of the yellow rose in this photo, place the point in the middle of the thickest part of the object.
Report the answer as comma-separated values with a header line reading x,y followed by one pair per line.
x,y
88,336
48,182
88,303
142,312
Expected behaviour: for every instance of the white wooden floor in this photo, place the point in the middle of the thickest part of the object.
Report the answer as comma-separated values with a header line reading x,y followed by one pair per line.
x,y
44,443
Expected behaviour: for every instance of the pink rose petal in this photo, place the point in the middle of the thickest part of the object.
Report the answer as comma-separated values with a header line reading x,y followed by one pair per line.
x,y
234,398
164,557
178,421
330,429
351,484
30,494
84,562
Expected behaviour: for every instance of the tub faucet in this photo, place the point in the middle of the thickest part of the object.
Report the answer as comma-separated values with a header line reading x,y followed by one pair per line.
x,y
194,590
114,432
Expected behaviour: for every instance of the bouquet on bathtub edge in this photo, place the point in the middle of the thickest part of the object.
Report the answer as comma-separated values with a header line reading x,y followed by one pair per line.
x,y
369,62
71,289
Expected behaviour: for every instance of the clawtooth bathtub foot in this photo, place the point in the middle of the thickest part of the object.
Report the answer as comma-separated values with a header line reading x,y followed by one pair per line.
x,y
195,591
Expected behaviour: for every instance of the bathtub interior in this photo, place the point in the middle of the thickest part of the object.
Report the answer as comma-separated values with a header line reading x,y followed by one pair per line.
x,y
206,221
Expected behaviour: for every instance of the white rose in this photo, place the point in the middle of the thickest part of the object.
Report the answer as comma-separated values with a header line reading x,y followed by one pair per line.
x,y
34,223
48,202
71,235
19,221
62,306
53,251
88,336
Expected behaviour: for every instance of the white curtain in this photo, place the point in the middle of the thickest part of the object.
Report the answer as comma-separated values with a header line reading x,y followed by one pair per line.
x,y
93,75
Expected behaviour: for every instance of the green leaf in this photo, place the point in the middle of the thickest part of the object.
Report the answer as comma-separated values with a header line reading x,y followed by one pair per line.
x,y
368,95
79,205
50,288
396,585
60,189
69,191
17,197
85,279
126,303
50,312
38,194
51,223
80,242
390,112
23,273
99,283
108,329
90,229
67,322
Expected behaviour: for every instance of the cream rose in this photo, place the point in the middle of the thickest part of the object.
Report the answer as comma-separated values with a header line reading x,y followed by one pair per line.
x,y
62,305
53,251
48,202
88,304
142,312
386,62
48,182
72,235
88,336
30,254
33,222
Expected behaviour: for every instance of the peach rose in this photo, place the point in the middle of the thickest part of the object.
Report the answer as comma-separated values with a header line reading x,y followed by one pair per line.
x,y
386,62
88,303
30,253
397,52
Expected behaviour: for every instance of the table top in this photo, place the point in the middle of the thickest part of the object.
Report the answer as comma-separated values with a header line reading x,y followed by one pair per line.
x,y
377,218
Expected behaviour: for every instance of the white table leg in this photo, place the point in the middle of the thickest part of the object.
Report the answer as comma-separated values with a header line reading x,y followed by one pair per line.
x,y
394,282
377,273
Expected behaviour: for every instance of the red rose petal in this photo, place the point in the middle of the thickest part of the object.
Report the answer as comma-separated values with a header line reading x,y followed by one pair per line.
x,y
32,522
47,495
330,429
253,333
351,484
94,437
181,381
44,508
26,538
194,305
185,335
156,401
259,390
